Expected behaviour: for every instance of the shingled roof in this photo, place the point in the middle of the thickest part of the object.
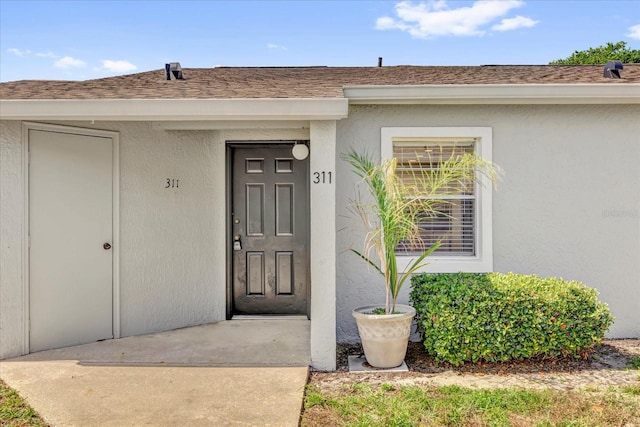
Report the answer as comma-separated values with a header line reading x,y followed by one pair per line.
x,y
301,82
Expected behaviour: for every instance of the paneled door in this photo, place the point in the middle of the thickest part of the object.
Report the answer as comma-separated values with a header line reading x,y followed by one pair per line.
x,y
269,224
70,229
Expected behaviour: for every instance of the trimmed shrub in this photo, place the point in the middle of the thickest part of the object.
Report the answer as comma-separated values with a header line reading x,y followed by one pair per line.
x,y
495,317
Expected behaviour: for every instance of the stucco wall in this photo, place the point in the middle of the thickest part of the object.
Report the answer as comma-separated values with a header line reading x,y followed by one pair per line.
x,y
170,254
11,249
168,274
569,204
172,241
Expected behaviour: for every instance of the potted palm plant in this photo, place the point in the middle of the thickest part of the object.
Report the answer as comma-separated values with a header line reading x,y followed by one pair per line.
x,y
390,212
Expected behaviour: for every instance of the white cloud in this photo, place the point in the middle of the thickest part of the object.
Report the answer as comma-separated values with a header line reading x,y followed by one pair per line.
x,y
386,23
118,66
276,46
509,24
435,18
19,52
46,55
634,32
69,62
25,53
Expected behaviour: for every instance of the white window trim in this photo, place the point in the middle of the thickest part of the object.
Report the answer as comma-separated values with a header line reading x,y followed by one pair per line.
x,y
482,262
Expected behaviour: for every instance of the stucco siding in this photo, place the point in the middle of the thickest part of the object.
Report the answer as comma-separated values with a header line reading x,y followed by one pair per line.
x,y
171,257
168,270
172,263
12,329
568,206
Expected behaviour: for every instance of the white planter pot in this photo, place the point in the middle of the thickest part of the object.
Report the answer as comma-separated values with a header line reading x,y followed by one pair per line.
x,y
384,337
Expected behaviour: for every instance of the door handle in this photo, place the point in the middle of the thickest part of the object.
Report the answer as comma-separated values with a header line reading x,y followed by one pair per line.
x,y
106,246
237,245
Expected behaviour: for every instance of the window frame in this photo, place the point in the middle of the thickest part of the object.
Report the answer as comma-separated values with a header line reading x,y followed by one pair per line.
x,y
482,261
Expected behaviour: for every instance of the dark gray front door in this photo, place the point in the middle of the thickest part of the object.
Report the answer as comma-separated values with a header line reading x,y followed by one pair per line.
x,y
269,231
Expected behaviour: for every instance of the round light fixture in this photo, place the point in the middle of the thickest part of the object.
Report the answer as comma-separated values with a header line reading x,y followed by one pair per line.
x,y
300,151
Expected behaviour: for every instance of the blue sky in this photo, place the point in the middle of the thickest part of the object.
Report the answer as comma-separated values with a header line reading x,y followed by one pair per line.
x,y
78,40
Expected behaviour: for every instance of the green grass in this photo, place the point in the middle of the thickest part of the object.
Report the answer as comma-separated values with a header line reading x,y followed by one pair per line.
x,y
15,412
635,362
386,405
631,389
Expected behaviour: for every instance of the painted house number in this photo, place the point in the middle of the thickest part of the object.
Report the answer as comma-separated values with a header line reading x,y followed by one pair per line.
x,y
172,183
322,177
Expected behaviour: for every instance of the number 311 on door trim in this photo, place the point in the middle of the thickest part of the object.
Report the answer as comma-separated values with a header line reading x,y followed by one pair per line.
x,y
322,177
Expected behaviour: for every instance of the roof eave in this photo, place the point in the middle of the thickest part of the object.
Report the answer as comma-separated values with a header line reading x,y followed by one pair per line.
x,y
605,93
175,109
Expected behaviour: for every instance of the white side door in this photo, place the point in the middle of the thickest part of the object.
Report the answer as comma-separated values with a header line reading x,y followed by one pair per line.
x,y
71,232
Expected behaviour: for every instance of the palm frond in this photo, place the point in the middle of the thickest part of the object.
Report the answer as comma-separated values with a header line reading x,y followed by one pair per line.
x,y
391,216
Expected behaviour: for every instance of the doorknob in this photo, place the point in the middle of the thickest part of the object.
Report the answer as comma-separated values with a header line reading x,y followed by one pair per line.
x,y
106,246
237,246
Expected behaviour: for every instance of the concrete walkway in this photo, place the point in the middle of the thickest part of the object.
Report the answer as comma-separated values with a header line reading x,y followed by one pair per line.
x,y
234,373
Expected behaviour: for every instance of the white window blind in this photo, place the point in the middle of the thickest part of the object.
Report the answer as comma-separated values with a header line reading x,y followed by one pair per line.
x,y
453,221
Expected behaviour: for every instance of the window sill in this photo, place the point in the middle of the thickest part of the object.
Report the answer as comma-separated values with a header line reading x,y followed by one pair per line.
x,y
449,264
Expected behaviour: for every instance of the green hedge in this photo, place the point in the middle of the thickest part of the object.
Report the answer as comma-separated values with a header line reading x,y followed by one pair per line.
x,y
495,317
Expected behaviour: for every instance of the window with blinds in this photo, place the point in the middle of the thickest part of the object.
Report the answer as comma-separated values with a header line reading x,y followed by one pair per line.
x,y
453,219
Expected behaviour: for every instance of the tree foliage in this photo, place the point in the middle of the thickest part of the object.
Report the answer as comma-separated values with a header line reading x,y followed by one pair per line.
x,y
601,55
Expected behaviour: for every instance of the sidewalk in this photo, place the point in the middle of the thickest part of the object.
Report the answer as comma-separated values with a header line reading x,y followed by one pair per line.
x,y
189,376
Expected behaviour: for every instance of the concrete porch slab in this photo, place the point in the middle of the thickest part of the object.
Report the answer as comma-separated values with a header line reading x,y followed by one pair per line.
x,y
255,342
228,374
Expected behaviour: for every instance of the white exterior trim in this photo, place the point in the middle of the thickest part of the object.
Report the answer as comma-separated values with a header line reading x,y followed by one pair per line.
x,y
611,93
482,262
175,109
231,125
26,243
115,138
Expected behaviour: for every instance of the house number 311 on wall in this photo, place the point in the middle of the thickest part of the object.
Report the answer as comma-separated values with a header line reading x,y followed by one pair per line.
x,y
322,177
172,183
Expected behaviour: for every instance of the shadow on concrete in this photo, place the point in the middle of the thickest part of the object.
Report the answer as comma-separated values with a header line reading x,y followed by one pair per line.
x,y
254,342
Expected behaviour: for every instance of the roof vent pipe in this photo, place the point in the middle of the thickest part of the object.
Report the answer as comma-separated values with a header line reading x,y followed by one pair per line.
x,y
379,61
173,71
611,69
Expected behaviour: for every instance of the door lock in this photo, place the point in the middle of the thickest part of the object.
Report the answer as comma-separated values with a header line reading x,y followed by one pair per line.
x,y
237,246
